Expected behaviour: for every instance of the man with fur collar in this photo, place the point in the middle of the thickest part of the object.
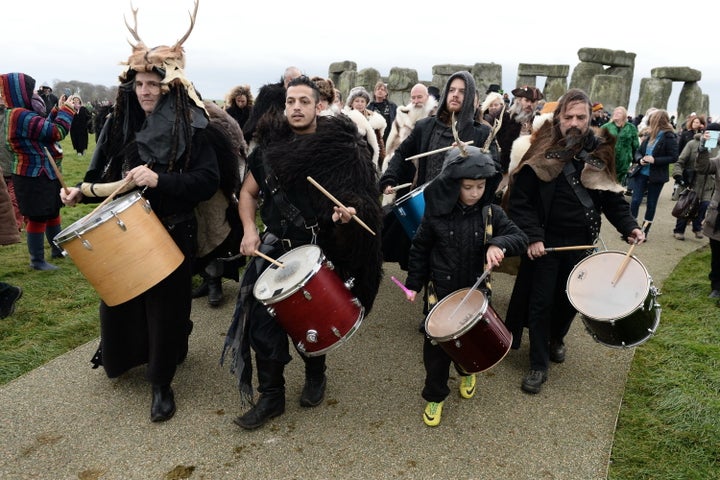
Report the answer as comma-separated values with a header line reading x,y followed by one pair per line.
x,y
565,179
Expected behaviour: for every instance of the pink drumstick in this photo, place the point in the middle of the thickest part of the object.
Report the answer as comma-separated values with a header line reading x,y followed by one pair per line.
x,y
399,284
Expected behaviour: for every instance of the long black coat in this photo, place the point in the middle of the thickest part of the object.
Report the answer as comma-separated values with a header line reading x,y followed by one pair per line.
x,y
80,130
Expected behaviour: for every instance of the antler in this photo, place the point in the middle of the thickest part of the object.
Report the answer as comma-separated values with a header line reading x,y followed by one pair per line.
x,y
179,43
133,31
497,124
460,144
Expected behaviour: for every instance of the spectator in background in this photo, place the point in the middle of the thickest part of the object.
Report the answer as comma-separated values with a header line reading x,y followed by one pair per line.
x,y
659,149
239,104
384,107
686,174
708,163
50,100
370,124
695,124
6,165
338,101
599,115
626,142
37,187
81,125
9,294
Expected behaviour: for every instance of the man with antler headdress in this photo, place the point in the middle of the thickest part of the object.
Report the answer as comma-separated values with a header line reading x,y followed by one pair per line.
x,y
155,139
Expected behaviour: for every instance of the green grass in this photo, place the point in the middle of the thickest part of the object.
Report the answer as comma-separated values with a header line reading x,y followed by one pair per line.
x,y
669,424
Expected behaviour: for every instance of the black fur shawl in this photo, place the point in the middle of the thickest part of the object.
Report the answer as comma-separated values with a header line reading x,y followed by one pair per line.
x,y
340,160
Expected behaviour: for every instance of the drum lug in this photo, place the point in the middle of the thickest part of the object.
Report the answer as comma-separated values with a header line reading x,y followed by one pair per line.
x,y
146,206
271,311
85,243
311,336
458,344
336,332
356,302
329,265
307,295
120,223
350,283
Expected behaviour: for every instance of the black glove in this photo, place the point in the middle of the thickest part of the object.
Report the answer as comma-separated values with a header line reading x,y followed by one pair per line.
x,y
679,180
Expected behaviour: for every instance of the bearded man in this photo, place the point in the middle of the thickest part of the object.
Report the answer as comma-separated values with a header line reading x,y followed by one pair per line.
x,y
556,194
517,120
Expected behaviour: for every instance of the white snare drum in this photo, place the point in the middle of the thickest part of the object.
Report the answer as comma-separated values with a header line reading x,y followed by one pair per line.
x,y
625,314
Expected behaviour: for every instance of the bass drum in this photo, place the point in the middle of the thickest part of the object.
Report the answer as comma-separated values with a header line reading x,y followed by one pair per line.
x,y
624,314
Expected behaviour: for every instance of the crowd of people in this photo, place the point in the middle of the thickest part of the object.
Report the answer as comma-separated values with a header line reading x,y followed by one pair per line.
x,y
232,185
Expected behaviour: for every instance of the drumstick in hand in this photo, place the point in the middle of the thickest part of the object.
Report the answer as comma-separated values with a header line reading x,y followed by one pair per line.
x,y
337,202
626,260
269,259
431,152
572,247
57,171
111,196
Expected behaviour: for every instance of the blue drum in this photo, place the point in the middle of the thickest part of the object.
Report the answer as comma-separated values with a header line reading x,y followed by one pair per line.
x,y
409,210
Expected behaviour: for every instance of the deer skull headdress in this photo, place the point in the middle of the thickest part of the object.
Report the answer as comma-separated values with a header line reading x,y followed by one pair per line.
x,y
168,61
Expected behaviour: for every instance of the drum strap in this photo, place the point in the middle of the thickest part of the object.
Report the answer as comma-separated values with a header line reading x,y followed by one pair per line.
x,y
582,194
290,213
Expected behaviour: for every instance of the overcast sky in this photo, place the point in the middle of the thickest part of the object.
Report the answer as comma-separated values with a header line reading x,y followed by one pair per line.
x,y
251,42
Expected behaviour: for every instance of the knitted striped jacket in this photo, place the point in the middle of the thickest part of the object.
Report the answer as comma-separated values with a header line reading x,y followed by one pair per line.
x,y
27,133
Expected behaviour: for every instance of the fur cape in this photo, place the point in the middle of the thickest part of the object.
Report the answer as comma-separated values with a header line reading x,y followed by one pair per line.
x,y
337,158
405,118
532,150
367,127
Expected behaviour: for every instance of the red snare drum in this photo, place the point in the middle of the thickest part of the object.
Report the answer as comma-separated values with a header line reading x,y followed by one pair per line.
x,y
474,336
306,293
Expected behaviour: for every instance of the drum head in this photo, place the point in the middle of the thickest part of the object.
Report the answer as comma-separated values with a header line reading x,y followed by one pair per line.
x,y
88,222
300,265
451,318
591,292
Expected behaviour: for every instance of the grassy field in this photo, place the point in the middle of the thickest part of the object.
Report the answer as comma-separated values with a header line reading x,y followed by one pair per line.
x,y
669,424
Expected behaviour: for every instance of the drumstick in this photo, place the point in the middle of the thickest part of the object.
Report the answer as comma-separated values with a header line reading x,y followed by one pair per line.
x,y
572,247
111,196
337,202
400,187
269,259
403,287
626,260
476,285
57,171
444,149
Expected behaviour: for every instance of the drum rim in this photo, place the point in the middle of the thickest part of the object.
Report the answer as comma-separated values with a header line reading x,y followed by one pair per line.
x,y
294,289
73,230
412,193
607,318
468,326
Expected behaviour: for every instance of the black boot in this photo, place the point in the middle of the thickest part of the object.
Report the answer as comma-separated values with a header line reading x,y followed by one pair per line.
x,y
215,293
36,248
163,403
202,289
272,396
315,381
50,233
